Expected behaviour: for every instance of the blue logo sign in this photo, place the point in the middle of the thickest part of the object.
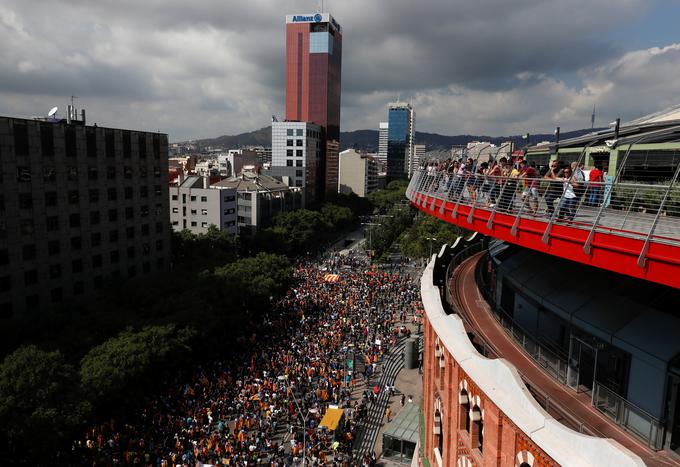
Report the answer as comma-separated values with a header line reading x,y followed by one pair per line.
x,y
317,18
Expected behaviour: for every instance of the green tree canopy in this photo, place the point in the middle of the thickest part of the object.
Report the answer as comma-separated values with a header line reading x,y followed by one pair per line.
x,y
415,243
40,404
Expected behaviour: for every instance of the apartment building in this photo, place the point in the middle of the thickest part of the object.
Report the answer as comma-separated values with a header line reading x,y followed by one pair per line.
x,y
358,173
195,206
80,206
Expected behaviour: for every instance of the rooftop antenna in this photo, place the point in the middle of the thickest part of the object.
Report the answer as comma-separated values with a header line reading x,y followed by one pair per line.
x,y
52,112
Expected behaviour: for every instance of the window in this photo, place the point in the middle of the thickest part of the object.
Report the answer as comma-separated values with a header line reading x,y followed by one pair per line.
x,y
157,190
289,163
204,212
141,142
144,210
229,211
131,252
32,301
56,294
113,215
299,142
204,199
298,173
77,266
76,243
4,257
73,197
132,271
129,212
175,210
78,288
298,163
50,199
94,196
289,153
28,252
290,132
91,143
96,239
112,194
127,145
26,227
113,236
49,174
159,227
5,283
92,173
144,192
128,192
143,172
146,267
20,139
114,256
298,183
74,220
157,172
159,245
110,173
228,199
156,146
52,223
24,174
145,230
53,247
193,223
72,174
25,201
289,142
31,277
130,233
94,217
97,282
193,212
300,132
174,197
204,224
127,172
55,271
47,139
110,144
298,153
193,198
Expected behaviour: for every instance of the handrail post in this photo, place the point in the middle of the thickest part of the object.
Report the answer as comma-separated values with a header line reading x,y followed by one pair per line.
x,y
437,181
642,259
489,223
630,206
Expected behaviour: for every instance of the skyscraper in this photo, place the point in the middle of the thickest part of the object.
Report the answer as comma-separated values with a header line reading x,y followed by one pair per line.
x,y
313,71
382,142
400,135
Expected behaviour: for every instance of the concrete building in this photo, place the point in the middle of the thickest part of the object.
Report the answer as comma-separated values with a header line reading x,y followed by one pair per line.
x,y
231,164
419,151
195,206
358,173
382,142
313,75
80,206
400,136
259,199
296,152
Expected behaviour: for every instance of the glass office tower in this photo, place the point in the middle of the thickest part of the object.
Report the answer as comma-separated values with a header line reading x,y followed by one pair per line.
x,y
400,135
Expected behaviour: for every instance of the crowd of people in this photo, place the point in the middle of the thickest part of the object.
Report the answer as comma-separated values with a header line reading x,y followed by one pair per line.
x,y
263,404
502,183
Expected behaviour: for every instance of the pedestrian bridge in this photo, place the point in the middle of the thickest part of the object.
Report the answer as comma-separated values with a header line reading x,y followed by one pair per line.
x,y
628,228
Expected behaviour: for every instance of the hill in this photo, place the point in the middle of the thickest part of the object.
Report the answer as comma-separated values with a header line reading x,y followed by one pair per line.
x,y
368,139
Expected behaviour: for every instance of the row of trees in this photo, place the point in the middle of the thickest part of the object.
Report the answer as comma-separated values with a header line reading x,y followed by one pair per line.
x,y
426,235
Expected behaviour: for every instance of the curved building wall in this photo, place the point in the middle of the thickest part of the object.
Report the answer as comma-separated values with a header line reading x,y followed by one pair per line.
x,y
478,411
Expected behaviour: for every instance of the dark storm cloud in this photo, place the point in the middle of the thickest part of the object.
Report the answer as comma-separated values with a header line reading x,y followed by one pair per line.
x,y
219,67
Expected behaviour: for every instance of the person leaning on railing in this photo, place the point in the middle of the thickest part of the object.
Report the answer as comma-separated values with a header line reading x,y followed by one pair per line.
x,y
595,179
529,174
554,189
567,206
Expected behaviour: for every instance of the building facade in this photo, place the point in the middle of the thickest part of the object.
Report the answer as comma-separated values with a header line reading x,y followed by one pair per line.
x,y
419,151
80,206
259,199
400,135
296,155
358,173
313,76
382,142
195,206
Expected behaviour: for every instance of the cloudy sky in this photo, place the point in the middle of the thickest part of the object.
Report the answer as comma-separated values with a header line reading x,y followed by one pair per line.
x,y
203,68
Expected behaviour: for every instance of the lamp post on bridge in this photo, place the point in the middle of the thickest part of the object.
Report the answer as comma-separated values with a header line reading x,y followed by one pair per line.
x,y
431,239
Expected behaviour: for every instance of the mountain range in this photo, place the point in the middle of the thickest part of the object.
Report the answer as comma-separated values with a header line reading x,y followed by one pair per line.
x,y
368,139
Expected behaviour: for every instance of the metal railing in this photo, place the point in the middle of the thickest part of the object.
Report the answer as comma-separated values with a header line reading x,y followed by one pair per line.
x,y
649,212
629,416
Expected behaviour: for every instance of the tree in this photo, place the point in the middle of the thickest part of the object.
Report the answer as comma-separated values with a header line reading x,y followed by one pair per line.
x,y
415,243
40,404
123,367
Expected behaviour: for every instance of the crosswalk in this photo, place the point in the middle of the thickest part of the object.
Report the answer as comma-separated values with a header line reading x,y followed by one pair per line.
x,y
369,428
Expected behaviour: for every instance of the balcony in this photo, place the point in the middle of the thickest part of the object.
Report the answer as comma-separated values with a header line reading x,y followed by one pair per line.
x,y
629,228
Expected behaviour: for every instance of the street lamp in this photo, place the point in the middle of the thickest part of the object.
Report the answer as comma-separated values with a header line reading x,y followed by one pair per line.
x,y
284,380
370,249
557,140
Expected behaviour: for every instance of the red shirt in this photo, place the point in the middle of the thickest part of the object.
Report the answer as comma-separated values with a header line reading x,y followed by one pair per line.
x,y
595,175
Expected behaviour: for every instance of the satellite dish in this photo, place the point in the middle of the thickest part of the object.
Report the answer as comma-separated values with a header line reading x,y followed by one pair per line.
x,y
52,111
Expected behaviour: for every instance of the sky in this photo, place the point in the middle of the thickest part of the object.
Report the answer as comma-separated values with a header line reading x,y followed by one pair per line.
x,y
205,68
